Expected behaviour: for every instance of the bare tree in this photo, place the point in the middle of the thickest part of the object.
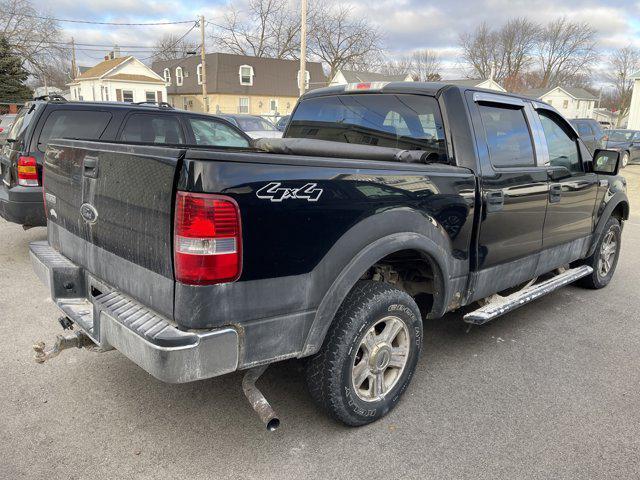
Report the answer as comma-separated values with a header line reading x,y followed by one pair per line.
x,y
426,66
171,47
623,63
399,66
565,49
504,53
342,40
36,40
267,28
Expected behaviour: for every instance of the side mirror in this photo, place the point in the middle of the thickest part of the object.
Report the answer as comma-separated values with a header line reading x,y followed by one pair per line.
x,y
606,162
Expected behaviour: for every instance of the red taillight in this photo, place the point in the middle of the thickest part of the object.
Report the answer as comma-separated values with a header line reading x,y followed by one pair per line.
x,y
27,172
207,239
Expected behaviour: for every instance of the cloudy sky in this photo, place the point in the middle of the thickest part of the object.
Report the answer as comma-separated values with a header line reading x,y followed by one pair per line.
x,y
407,24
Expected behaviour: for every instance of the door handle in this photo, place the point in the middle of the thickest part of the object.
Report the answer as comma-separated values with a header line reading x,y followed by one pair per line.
x,y
90,167
555,193
495,200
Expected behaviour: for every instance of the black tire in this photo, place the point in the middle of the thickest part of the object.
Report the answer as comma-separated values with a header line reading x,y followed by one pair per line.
x,y
599,279
329,372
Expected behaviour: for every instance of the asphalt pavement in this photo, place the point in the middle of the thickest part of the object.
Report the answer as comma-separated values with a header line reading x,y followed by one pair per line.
x,y
551,390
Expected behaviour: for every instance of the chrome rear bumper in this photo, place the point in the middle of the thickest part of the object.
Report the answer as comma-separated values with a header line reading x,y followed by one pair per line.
x,y
114,320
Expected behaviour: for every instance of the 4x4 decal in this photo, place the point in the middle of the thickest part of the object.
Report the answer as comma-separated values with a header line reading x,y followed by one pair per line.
x,y
276,193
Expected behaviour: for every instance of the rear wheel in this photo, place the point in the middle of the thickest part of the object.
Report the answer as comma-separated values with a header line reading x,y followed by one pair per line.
x,y
605,256
369,355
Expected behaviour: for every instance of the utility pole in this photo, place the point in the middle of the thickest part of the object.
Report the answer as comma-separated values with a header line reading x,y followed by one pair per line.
x,y
203,61
74,66
303,47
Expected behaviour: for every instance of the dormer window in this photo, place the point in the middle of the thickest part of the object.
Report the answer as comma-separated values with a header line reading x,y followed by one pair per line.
x,y
246,75
199,73
179,76
306,79
167,76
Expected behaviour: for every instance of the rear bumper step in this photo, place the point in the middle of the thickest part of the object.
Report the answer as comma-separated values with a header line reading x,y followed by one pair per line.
x,y
504,305
114,320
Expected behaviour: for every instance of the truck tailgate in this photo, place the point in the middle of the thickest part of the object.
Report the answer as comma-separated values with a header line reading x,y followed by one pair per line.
x,y
110,211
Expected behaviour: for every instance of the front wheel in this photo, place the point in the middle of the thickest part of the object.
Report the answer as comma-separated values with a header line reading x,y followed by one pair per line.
x,y
369,354
625,159
605,257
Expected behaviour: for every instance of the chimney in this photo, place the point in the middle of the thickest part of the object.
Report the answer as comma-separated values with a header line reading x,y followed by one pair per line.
x,y
116,51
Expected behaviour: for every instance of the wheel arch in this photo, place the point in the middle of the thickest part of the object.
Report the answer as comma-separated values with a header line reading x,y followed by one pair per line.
x,y
617,206
433,251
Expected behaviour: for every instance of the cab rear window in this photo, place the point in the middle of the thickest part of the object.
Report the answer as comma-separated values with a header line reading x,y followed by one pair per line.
x,y
76,124
411,122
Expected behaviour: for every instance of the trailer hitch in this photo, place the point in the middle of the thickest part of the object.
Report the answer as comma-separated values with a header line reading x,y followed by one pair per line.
x,y
257,400
78,340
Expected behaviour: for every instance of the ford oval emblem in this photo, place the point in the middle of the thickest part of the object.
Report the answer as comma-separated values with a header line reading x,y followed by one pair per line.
x,y
89,213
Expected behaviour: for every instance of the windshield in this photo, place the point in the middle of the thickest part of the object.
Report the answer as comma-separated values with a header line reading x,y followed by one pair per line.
x,y
623,135
254,124
409,122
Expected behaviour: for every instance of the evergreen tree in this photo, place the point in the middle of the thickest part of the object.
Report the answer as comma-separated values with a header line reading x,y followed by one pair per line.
x,y
12,75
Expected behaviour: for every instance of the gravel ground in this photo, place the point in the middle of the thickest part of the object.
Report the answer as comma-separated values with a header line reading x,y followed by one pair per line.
x,y
549,391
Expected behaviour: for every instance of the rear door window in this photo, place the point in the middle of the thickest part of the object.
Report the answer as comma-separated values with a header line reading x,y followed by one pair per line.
x,y
584,130
217,134
76,124
508,137
150,129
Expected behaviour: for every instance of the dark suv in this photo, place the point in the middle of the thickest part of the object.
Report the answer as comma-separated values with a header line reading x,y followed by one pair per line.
x,y
590,132
47,118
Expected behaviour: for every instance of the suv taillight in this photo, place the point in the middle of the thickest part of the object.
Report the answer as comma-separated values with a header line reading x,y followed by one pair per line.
x,y
27,172
207,239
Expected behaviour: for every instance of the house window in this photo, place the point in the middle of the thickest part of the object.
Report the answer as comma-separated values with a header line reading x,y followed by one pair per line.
x,y
306,79
199,73
273,105
106,94
127,96
206,104
167,76
185,103
179,76
243,105
565,104
150,97
246,75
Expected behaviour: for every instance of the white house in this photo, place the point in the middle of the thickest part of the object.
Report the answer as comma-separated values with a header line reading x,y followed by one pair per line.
x,y
122,79
569,101
343,77
634,109
488,83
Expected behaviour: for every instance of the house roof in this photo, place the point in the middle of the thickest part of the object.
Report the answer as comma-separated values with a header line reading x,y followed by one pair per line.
x,y
135,78
100,69
272,77
575,92
353,76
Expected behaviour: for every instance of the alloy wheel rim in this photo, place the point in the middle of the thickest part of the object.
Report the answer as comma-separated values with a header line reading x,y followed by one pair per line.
x,y
380,359
607,253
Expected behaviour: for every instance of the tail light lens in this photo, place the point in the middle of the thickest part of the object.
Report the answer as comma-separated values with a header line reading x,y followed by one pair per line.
x,y
208,239
28,172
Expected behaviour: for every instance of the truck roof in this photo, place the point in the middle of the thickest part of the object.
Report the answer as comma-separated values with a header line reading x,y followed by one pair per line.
x,y
420,88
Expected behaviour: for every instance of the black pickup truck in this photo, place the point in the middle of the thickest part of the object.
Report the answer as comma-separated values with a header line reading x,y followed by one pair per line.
x,y
384,204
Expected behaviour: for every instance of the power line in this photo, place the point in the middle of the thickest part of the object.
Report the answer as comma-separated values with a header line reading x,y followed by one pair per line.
x,y
175,44
91,22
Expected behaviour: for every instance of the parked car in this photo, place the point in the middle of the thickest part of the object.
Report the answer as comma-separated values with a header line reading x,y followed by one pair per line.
x,y
281,124
53,117
253,125
5,125
324,244
627,142
590,132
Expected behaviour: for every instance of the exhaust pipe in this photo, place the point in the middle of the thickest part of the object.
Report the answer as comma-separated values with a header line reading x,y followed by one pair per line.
x,y
257,400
